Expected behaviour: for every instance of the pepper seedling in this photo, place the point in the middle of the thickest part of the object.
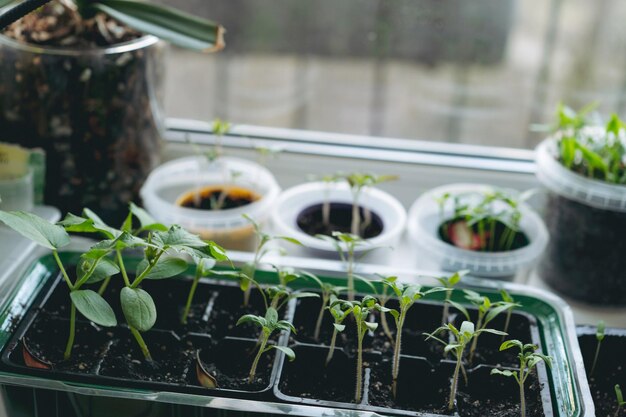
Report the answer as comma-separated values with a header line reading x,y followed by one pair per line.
x,y
92,267
340,311
268,324
407,295
600,329
449,283
250,268
327,291
620,400
358,182
487,311
360,310
528,359
461,338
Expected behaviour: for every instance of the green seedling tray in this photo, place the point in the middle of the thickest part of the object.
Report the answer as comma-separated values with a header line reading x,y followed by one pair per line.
x,y
569,390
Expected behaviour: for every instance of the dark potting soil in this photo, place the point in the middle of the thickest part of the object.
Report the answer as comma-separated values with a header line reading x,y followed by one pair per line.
x,y
207,198
610,370
585,258
490,243
311,221
477,399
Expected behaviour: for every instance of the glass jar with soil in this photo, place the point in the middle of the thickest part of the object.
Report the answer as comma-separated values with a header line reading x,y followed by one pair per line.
x,y
586,218
479,228
321,208
211,198
93,104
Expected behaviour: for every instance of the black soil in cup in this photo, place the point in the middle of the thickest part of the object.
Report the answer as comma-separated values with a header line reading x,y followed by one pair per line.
x,y
477,399
585,258
490,243
311,221
218,198
610,368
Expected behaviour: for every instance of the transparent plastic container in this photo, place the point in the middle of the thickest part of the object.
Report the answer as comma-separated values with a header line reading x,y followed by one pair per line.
x,y
17,193
296,199
586,219
425,218
171,181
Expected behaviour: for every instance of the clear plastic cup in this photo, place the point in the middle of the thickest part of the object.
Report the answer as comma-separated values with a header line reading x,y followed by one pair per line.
x,y
17,193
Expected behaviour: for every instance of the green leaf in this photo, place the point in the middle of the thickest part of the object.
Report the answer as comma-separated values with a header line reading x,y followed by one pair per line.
x,y
100,225
461,308
600,329
94,307
371,326
35,228
73,223
104,269
502,372
251,318
339,327
138,308
146,221
178,238
467,327
619,395
165,268
181,29
510,343
289,353
496,311
289,239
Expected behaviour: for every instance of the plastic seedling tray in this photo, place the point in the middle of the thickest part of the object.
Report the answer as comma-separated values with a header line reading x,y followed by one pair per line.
x,y
610,367
543,319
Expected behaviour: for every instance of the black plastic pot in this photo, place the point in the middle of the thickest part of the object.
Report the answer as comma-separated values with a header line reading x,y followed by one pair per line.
x,y
610,368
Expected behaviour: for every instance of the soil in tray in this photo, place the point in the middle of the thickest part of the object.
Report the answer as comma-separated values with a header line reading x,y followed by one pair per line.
x,y
311,221
225,198
420,386
171,358
309,377
497,396
473,240
609,370
570,264
47,338
229,362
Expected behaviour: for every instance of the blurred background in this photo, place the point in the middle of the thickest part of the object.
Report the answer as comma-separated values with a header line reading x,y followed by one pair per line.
x,y
476,72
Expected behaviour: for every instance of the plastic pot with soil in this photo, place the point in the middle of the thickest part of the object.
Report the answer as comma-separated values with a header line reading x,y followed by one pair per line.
x,y
476,227
210,197
321,208
586,217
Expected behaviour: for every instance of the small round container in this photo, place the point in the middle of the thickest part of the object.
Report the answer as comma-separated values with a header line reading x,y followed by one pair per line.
x,y
295,200
425,218
167,184
586,219
17,193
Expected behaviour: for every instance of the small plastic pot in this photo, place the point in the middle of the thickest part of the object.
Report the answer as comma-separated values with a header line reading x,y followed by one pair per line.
x,y
171,181
294,201
587,223
425,219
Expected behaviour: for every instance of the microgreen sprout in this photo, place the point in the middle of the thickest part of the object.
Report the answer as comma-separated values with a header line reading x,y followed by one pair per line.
x,y
262,249
327,290
449,283
600,329
339,311
407,295
268,324
475,218
460,339
620,400
360,310
487,311
528,359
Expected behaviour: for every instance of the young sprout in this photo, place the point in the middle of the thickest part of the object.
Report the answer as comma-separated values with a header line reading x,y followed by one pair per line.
x,y
346,245
620,400
360,311
407,295
508,298
92,267
528,359
340,311
327,291
449,283
384,297
262,249
599,338
487,311
460,339
204,268
327,180
268,324
358,182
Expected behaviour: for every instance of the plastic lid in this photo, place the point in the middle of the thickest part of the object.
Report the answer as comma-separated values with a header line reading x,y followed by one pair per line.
x,y
167,183
294,200
425,218
568,184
